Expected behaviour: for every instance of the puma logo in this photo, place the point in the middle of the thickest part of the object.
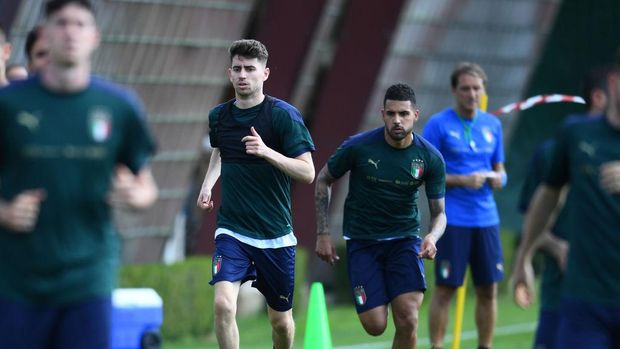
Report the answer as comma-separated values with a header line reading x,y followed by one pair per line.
x,y
374,163
28,120
285,298
587,148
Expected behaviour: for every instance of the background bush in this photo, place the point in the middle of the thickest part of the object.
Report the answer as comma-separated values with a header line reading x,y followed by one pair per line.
x,y
187,295
185,290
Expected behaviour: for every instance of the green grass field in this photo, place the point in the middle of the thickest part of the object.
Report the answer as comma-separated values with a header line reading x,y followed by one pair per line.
x,y
514,330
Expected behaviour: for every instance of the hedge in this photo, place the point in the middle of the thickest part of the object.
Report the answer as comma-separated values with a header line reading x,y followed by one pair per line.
x,y
187,295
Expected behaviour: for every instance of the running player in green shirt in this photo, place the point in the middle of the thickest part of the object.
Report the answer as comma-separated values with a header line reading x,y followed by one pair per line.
x,y
586,157
381,224
64,135
259,144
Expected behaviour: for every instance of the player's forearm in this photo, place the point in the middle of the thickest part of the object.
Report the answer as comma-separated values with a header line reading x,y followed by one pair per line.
x,y
300,168
322,196
454,180
438,226
438,219
548,243
145,190
214,170
537,217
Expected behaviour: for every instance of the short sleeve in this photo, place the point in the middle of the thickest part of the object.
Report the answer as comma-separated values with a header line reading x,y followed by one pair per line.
x,y
213,118
341,161
435,178
296,139
138,144
559,170
498,153
538,166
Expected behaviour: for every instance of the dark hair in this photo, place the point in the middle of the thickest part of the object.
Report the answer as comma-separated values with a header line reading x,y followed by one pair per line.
x,y
400,92
595,79
52,6
249,48
467,68
2,37
33,35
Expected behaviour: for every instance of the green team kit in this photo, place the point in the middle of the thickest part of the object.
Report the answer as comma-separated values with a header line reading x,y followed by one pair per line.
x,y
384,184
592,228
257,201
67,144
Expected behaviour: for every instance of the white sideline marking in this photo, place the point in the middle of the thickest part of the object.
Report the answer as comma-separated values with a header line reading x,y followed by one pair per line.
x,y
467,335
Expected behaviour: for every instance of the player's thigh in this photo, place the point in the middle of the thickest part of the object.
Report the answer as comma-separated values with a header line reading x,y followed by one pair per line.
x,y
404,270
453,253
84,325
487,264
24,326
275,268
365,267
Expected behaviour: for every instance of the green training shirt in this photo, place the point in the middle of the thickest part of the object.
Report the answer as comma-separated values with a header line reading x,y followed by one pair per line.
x,y
384,182
593,228
256,198
67,144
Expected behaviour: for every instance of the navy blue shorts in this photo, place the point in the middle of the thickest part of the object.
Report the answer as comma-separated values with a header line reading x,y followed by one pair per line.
x,y
547,330
272,269
83,325
460,246
588,325
379,271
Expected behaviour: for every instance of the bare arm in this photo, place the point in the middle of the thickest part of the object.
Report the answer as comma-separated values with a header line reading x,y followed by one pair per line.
x,y
537,217
213,173
610,177
20,215
555,247
548,242
436,229
300,168
322,194
476,180
473,180
497,179
137,191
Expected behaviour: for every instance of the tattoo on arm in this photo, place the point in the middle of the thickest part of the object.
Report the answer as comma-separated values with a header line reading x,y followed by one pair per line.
x,y
437,208
322,195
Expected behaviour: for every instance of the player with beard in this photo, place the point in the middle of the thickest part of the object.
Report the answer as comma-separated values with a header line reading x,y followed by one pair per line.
x,y
381,225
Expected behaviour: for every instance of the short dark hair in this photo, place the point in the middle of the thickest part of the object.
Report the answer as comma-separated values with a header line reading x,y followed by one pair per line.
x,y
249,48
595,79
33,35
52,6
467,68
400,92
2,37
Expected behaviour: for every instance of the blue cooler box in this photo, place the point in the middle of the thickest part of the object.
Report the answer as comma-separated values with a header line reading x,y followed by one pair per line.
x,y
137,316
